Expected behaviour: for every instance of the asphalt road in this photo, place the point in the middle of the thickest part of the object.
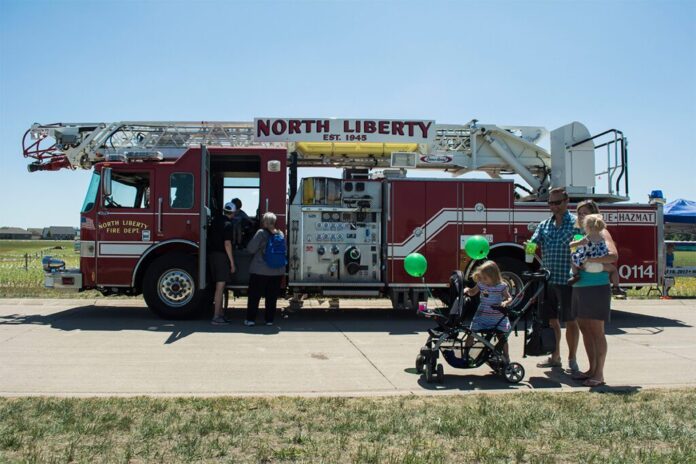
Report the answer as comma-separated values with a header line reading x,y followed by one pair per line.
x,y
117,347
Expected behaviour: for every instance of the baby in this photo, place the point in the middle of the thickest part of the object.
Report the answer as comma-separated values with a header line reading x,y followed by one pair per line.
x,y
590,246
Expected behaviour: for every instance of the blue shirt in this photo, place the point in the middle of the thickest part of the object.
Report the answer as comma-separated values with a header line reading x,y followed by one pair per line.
x,y
555,246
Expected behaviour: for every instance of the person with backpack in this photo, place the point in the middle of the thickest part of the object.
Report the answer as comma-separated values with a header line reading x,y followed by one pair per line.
x,y
266,270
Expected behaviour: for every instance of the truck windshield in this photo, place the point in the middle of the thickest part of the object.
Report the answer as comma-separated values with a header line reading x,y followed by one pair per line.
x,y
91,196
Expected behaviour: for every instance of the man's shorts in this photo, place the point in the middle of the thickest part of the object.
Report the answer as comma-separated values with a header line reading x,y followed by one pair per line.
x,y
557,304
219,265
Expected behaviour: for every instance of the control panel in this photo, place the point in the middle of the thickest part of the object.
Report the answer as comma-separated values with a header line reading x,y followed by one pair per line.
x,y
338,244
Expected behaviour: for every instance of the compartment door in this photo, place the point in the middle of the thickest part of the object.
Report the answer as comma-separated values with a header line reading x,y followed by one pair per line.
x,y
405,227
442,218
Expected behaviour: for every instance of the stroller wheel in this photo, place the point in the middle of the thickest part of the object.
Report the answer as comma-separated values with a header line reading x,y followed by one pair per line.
x,y
440,373
420,362
429,372
514,372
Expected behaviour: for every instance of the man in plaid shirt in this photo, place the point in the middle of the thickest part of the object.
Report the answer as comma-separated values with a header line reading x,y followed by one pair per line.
x,y
554,236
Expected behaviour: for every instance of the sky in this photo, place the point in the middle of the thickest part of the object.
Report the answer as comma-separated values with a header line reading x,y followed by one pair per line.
x,y
629,65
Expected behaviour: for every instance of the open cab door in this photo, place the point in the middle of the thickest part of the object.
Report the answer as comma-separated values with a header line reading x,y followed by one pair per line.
x,y
204,217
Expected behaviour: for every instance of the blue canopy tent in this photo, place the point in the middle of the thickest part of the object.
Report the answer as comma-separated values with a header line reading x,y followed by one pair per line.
x,y
680,216
680,212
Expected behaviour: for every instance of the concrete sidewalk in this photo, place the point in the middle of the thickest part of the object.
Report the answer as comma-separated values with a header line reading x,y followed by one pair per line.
x,y
117,347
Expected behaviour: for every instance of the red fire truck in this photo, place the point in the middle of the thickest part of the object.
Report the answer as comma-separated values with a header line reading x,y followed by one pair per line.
x,y
156,185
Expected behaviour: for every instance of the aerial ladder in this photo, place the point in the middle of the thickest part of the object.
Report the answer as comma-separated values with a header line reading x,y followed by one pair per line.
x,y
571,161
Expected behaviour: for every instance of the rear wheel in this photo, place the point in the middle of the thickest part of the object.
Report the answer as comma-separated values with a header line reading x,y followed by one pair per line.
x,y
170,287
440,371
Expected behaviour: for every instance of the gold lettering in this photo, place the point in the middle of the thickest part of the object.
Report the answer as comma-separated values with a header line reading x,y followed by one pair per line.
x,y
109,224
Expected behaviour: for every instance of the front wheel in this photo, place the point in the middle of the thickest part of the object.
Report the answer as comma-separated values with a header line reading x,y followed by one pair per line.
x,y
420,362
170,287
429,368
514,372
440,373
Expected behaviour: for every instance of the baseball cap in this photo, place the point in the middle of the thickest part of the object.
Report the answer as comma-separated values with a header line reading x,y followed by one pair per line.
x,y
229,207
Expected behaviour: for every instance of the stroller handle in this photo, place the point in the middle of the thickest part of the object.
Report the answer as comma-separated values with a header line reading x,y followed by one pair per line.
x,y
541,274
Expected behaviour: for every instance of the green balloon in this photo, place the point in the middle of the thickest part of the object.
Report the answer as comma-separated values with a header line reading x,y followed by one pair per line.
x,y
477,247
415,265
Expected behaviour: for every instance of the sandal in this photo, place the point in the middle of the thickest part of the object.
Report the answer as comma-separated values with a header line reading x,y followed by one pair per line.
x,y
573,366
550,363
593,383
580,376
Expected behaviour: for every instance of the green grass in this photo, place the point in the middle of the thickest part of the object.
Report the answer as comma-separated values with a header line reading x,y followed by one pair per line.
x,y
685,287
651,426
684,258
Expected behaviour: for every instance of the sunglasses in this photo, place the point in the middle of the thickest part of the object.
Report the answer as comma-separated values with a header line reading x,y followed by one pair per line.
x,y
555,203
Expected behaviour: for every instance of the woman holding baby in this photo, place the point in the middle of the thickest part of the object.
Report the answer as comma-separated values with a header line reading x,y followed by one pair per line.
x,y
593,261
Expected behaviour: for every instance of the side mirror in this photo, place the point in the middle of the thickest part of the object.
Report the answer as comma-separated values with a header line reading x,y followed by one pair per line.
x,y
106,182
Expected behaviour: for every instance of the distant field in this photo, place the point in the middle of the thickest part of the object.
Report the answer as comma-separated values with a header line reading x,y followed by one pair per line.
x,y
684,258
11,248
16,281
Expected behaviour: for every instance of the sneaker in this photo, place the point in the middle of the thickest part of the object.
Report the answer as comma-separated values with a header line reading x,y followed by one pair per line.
x,y
269,323
218,321
573,365
249,323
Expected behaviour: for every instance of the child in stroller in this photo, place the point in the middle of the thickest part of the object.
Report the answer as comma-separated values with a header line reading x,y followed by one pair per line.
x,y
491,314
467,346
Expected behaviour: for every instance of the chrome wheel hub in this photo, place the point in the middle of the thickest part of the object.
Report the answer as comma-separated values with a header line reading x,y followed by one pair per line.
x,y
176,287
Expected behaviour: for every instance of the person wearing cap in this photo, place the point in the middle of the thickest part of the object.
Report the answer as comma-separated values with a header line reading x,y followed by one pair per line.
x,y
220,257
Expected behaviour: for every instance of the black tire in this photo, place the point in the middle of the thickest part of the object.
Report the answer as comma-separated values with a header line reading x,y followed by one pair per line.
x,y
170,287
511,270
420,362
513,372
440,371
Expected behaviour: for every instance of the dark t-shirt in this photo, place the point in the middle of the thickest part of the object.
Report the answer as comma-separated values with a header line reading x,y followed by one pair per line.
x,y
220,230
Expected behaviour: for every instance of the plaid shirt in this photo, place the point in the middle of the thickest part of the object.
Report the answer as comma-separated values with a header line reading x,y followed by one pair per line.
x,y
555,246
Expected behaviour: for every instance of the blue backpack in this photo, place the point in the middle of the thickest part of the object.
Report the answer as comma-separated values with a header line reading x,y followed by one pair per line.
x,y
276,251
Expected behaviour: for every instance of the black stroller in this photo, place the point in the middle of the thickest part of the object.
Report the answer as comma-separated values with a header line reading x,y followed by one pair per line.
x,y
450,336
